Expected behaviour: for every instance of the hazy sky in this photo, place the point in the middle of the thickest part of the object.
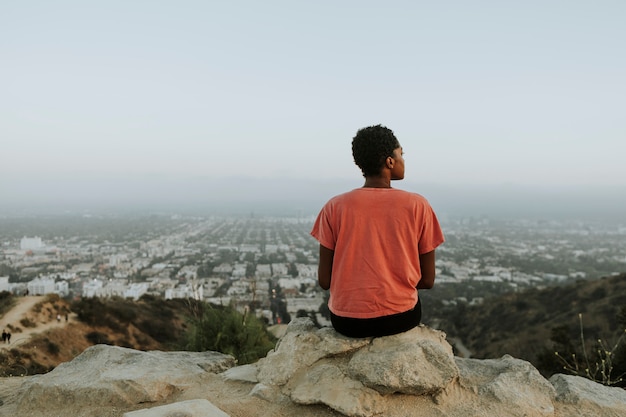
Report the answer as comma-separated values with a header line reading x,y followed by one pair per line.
x,y
477,92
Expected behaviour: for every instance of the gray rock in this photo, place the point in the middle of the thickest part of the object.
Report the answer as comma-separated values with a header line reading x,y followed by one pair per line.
x,y
585,394
244,373
418,362
510,381
312,372
191,408
320,366
302,346
115,376
269,393
327,384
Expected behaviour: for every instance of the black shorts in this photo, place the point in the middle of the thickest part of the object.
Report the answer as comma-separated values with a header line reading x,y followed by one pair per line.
x,y
378,326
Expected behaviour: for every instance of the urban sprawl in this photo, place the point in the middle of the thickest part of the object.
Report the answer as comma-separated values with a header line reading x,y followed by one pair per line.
x,y
248,261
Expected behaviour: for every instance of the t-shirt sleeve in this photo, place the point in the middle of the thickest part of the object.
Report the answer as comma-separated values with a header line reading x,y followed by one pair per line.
x,y
432,235
322,229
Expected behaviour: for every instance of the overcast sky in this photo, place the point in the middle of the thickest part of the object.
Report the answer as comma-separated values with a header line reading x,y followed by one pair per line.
x,y
480,92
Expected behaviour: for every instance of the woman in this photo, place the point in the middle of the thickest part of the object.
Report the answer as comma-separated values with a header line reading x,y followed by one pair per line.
x,y
377,244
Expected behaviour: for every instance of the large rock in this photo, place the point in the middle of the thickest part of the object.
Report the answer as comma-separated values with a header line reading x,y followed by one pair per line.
x,y
114,376
508,382
418,362
311,373
320,366
302,346
589,398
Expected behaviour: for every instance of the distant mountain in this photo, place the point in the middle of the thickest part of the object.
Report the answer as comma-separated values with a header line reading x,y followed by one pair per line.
x,y
291,196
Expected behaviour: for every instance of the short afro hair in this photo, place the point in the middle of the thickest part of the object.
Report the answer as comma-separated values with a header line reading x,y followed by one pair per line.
x,y
371,146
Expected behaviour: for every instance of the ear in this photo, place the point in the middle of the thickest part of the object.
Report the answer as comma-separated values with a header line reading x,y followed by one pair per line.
x,y
389,162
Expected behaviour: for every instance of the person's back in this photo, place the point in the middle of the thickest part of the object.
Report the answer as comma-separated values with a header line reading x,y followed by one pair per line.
x,y
377,244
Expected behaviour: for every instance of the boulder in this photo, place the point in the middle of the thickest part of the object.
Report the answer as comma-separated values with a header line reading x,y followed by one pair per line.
x,y
418,362
301,346
114,376
509,382
311,373
589,398
352,376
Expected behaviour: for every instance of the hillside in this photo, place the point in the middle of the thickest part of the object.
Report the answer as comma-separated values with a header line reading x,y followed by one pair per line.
x,y
519,324
523,324
40,342
42,336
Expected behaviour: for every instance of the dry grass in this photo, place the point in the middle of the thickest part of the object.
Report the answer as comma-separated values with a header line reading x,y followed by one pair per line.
x,y
45,342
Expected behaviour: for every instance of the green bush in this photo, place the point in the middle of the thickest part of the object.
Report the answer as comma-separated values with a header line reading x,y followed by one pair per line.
x,y
223,329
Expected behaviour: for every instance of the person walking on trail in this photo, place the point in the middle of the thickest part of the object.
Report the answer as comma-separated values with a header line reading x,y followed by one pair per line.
x,y
376,244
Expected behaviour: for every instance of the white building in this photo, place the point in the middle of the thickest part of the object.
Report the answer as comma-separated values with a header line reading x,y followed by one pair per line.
x,y
136,290
189,271
31,243
62,288
185,291
249,247
289,283
239,271
307,270
113,288
241,287
263,271
279,269
91,288
41,286
4,284
269,248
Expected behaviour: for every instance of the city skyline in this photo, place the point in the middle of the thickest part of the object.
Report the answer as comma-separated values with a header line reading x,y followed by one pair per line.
x,y
102,99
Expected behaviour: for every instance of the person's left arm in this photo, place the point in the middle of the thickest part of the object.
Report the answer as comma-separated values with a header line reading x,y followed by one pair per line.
x,y
427,266
325,267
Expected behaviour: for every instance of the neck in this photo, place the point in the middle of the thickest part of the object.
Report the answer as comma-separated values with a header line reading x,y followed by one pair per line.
x,y
377,182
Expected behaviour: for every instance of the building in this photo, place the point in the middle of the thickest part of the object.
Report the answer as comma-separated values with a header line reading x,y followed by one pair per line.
x,y
185,291
4,284
41,286
92,287
62,288
31,243
136,290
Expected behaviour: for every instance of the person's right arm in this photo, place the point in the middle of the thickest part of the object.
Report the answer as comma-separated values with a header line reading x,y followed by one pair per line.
x,y
325,267
427,265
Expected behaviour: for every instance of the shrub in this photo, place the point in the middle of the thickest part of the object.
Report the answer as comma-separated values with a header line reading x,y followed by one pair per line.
x,y
26,322
52,347
601,364
6,301
98,338
225,330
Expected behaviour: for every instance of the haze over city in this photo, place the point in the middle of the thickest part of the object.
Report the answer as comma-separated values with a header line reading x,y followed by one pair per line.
x,y
148,103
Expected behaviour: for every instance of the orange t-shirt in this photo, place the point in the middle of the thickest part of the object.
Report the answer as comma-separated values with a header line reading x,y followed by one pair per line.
x,y
377,235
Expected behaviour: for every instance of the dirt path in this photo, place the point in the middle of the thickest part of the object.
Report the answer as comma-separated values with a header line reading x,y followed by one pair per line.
x,y
13,317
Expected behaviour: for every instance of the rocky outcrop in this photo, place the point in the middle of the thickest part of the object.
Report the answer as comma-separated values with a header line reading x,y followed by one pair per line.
x,y
110,376
311,372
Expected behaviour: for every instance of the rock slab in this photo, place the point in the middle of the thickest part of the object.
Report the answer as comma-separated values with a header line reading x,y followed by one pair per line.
x,y
114,376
